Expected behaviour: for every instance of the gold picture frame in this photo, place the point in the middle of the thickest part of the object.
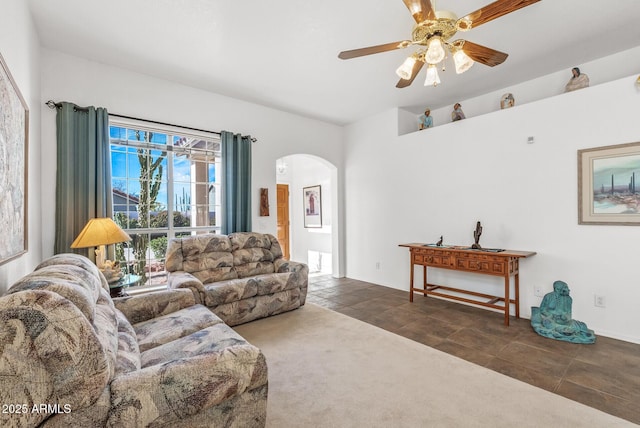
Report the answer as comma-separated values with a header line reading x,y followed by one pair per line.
x,y
608,185
14,155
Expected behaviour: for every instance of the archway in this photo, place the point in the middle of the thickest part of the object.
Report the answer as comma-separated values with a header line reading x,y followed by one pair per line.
x,y
314,239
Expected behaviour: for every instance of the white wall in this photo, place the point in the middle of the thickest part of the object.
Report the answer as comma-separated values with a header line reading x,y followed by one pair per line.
x,y
68,78
19,47
416,187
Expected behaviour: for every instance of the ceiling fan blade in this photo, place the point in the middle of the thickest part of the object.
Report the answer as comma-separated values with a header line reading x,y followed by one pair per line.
x,y
402,83
354,53
483,54
421,10
492,11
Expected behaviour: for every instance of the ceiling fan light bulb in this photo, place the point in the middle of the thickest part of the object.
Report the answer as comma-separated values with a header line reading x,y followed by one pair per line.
x,y
435,51
406,69
462,61
432,76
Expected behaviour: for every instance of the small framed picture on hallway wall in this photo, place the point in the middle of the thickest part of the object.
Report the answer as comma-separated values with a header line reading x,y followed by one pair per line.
x,y
312,197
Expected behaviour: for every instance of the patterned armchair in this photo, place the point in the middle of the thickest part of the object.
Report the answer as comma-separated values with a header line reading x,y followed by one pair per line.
x,y
72,356
240,277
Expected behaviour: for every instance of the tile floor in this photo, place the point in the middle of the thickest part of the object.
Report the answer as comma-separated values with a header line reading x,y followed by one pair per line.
x,y
605,375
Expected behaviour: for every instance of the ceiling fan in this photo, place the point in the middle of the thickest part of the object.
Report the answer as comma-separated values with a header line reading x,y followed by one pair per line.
x,y
432,33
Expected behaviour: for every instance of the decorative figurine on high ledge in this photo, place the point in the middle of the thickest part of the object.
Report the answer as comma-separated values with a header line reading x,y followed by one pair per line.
x,y
578,80
439,243
476,236
553,318
457,113
507,101
425,120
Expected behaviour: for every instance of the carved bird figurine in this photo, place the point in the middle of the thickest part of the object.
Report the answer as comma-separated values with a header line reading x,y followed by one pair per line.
x,y
439,243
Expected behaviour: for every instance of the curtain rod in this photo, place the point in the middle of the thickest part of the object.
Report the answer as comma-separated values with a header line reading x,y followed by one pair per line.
x,y
52,105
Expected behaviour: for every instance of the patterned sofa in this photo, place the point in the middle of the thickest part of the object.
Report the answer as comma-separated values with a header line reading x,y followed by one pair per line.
x,y
70,356
240,277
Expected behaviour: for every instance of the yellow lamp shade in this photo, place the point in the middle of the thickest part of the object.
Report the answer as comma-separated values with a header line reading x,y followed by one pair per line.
x,y
100,231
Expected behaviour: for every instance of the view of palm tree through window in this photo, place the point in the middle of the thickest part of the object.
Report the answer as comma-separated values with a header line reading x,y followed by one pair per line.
x,y
165,184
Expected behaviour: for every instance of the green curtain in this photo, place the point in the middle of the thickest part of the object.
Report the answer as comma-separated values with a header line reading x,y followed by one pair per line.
x,y
236,195
83,178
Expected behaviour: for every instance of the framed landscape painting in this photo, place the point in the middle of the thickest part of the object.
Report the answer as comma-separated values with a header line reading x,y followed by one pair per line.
x,y
608,188
14,135
312,197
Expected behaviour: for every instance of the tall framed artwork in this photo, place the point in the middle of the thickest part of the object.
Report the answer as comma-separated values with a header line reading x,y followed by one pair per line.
x,y
14,140
608,190
312,197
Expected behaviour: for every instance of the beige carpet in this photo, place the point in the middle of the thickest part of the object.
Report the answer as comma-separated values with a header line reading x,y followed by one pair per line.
x,y
330,370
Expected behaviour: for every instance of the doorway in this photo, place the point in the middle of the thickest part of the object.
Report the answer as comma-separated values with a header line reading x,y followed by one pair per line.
x,y
316,244
283,218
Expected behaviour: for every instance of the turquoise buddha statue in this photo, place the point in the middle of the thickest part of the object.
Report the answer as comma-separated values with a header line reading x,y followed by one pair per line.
x,y
553,318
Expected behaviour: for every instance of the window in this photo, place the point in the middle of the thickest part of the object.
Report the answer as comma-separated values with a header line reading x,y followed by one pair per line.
x,y
165,184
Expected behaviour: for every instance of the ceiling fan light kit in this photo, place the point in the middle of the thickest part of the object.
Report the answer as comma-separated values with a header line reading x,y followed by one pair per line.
x,y
462,61
435,52
405,70
432,33
432,76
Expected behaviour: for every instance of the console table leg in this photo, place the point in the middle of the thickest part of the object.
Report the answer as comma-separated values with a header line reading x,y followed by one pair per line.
x,y
411,284
424,276
517,286
506,300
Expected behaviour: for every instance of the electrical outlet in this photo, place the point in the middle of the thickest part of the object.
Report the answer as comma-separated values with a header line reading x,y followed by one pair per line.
x,y
378,265
537,291
599,301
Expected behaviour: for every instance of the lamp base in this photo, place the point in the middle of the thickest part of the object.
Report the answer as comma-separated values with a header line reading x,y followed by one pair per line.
x,y
101,253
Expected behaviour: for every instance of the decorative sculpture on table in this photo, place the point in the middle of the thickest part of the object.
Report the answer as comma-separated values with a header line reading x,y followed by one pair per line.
x,y
439,243
476,236
553,318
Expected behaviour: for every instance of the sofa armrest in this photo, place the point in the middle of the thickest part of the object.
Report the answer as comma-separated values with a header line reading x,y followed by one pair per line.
x,y
143,307
165,393
181,279
282,265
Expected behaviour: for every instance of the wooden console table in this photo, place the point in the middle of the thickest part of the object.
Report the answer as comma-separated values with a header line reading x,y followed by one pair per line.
x,y
486,262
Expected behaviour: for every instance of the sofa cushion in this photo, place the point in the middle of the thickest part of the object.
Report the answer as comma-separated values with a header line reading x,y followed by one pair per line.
x,y
128,358
191,250
166,394
275,282
49,354
158,331
152,305
105,326
210,339
238,289
82,262
216,274
218,293
250,255
253,269
68,281
243,311
242,240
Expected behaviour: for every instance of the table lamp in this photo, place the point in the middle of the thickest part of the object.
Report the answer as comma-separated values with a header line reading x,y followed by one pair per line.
x,y
97,233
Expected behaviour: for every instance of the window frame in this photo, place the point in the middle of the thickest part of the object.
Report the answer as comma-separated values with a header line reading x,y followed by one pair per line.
x,y
211,156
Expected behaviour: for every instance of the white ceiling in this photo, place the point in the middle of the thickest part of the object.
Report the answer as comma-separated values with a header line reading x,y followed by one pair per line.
x,y
283,53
